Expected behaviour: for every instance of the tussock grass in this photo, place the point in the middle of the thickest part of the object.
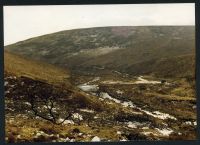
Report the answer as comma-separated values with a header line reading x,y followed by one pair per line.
x,y
21,66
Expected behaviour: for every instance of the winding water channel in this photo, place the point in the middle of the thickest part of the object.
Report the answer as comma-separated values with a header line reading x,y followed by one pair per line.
x,y
92,88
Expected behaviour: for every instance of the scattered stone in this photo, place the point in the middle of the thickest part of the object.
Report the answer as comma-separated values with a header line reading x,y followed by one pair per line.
x,y
194,107
5,83
179,133
96,139
188,123
80,134
72,140
18,136
119,132
27,103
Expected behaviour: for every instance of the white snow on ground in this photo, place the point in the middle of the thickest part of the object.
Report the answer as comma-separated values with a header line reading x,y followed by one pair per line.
x,y
140,80
10,77
94,80
60,120
165,131
159,132
145,127
119,92
128,104
64,139
77,116
159,115
87,110
147,133
95,139
123,140
117,72
131,125
95,117
101,99
144,81
188,122
191,123
68,122
40,133
88,88
104,95
134,124
27,103
116,82
156,114
107,96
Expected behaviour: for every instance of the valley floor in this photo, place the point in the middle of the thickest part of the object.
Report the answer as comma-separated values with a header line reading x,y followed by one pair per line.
x,y
109,109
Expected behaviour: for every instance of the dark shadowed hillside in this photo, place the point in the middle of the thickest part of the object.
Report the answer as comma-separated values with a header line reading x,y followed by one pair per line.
x,y
133,50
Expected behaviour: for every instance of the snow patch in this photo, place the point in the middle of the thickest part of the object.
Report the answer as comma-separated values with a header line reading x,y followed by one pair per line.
x,y
87,110
77,116
107,96
131,125
128,104
165,131
144,81
119,92
88,88
68,122
123,139
159,115
134,124
149,133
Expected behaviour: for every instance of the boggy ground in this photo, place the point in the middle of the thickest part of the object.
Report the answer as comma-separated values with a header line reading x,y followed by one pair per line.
x,y
169,101
101,110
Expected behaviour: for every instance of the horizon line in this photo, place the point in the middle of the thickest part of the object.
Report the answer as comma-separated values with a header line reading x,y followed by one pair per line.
x,y
98,27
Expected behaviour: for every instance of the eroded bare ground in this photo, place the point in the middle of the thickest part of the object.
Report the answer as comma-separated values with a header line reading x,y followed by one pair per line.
x,y
111,109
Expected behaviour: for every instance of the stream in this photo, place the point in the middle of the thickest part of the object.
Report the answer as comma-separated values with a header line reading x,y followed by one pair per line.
x,y
87,87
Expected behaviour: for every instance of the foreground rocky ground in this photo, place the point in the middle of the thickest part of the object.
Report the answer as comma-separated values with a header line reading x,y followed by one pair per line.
x,y
102,109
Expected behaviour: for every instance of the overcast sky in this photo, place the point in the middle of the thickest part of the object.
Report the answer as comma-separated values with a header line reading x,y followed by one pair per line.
x,y
23,22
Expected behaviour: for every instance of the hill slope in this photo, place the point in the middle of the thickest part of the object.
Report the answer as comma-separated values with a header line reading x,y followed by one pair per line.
x,y
20,66
110,48
177,66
